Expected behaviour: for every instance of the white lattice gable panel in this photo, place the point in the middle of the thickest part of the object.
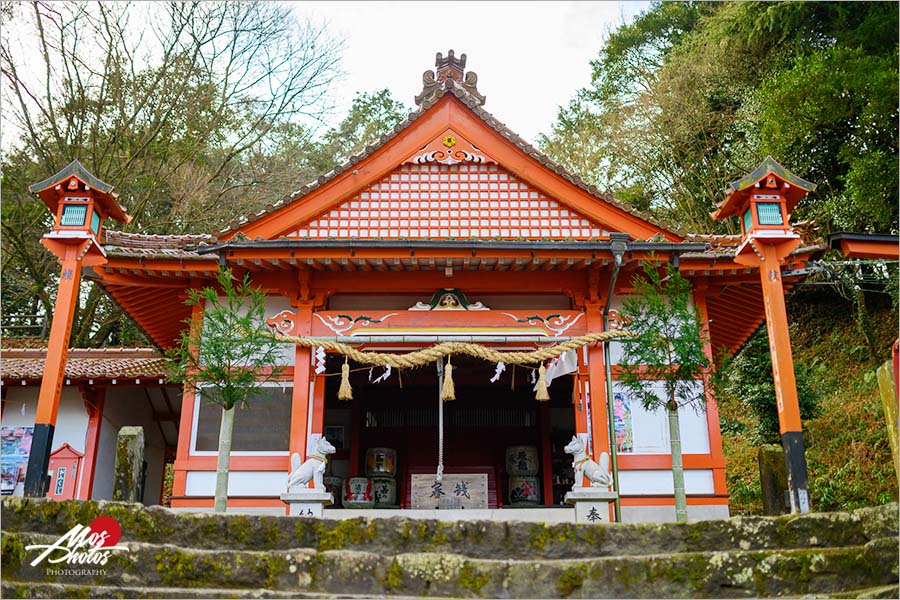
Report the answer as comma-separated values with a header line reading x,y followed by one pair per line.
x,y
450,201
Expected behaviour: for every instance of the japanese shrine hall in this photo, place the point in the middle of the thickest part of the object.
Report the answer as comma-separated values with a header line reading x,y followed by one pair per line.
x,y
450,228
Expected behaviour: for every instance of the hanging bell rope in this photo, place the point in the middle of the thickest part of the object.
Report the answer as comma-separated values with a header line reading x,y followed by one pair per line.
x,y
448,391
345,392
439,475
542,394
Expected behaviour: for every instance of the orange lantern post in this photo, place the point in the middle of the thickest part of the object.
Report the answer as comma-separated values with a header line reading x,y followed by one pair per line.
x,y
764,200
81,203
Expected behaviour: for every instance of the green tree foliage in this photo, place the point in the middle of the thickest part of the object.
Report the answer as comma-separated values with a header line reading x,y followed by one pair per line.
x,y
748,380
196,112
690,96
668,348
371,116
226,355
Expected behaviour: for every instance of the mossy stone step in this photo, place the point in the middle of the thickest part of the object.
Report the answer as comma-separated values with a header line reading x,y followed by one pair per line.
x,y
28,589
737,573
475,539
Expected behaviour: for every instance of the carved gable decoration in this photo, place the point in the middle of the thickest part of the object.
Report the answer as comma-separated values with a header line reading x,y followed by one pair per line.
x,y
449,148
439,201
449,299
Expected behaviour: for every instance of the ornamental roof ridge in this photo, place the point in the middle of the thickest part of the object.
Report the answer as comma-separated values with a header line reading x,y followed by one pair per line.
x,y
474,104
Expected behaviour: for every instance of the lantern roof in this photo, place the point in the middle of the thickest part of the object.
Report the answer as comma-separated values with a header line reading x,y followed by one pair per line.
x,y
738,192
103,192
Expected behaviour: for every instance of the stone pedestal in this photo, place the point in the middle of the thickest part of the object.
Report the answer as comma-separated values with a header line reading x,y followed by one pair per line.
x,y
307,503
773,479
591,504
129,465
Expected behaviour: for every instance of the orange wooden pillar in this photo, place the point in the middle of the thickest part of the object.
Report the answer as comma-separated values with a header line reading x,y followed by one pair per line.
x,y
712,407
599,414
185,428
54,369
785,381
317,411
597,389
94,400
301,401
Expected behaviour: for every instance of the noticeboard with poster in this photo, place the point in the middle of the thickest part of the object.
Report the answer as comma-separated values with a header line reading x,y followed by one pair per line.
x,y
15,446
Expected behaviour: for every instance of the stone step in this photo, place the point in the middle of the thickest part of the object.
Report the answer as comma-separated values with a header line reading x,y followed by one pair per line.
x,y
884,591
736,573
28,589
474,539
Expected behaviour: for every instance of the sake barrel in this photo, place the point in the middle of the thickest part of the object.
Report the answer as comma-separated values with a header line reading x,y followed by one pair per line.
x,y
524,490
358,493
335,485
381,462
385,492
522,460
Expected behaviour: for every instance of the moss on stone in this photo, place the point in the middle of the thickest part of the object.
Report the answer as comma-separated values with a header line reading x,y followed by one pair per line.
x,y
471,579
571,579
269,536
343,532
77,591
540,534
12,553
16,590
239,531
393,576
185,569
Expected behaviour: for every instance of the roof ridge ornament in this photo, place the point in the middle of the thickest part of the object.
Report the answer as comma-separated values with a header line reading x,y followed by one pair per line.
x,y
450,74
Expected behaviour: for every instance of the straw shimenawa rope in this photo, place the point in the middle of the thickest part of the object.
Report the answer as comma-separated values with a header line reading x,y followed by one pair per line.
x,y
425,356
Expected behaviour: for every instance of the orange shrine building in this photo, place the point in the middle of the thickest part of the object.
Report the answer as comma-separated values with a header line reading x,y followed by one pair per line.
x,y
450,228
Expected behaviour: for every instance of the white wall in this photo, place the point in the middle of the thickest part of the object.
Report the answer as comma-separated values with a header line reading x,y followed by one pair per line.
x,y
128,406
71,421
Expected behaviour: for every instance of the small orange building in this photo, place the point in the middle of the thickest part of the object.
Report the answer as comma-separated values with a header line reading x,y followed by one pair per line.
x,y
451,227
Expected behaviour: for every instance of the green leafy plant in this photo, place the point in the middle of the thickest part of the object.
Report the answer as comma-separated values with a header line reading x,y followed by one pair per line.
x,y
226,354
669,348
748,378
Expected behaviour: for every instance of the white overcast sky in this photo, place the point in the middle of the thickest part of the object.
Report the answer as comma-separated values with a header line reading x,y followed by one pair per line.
x,y
530,57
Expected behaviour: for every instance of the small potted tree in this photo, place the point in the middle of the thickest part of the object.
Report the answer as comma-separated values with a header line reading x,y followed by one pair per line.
x,y
226,355
668,347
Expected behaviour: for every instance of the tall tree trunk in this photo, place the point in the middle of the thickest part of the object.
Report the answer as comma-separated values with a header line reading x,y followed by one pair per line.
x,y
224,462
677,463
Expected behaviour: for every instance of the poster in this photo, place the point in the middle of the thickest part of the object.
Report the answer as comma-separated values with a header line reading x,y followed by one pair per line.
x,y
15,446
623,422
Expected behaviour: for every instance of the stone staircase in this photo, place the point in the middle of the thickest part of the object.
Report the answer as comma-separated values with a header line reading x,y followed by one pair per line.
x,y
182,555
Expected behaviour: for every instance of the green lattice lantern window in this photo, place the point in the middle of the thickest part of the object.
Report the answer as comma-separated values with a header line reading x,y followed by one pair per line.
x,y
769,213
73,215
77,209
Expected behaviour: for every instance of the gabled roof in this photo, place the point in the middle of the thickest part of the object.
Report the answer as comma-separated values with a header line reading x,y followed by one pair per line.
x,y
103,192
454,95
736,191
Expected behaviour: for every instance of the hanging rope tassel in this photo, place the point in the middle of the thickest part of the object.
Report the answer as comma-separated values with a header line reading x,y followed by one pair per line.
x,y
542,393
345,392
448,391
